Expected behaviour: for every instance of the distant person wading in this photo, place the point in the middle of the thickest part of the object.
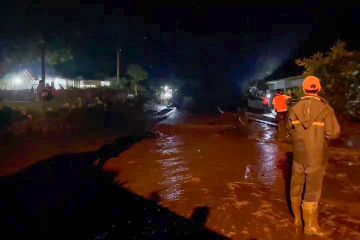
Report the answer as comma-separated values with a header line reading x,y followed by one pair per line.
x,y
281,107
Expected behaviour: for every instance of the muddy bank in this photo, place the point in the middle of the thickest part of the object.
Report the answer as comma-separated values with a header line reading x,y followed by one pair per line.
x,y
21,152
29,141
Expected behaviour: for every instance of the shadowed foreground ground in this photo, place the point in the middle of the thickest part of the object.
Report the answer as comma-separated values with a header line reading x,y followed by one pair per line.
x,y
70,197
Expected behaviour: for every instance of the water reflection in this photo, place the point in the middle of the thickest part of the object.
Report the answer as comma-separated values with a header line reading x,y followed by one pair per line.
x,y
262,132
174,168
267,172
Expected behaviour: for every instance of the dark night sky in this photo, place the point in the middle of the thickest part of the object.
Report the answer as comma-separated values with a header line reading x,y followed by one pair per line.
x,y
185,39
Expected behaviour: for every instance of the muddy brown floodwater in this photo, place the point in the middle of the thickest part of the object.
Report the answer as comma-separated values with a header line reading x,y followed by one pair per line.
x,y
242,179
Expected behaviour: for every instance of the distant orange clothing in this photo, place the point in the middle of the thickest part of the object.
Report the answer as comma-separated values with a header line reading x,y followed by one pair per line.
x,y
265,101
280,104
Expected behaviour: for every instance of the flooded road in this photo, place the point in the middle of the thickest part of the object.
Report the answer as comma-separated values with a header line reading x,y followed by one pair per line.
x,y
241,180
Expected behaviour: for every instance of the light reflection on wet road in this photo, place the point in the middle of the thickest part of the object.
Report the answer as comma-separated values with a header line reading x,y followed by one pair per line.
x,y
267,163
175,169
240,178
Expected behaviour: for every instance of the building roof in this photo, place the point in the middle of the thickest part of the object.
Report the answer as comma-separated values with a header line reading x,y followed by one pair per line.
x,y
284,79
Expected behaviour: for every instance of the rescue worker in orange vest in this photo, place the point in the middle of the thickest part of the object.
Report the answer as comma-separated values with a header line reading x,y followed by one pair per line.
x,y
280,107
311,124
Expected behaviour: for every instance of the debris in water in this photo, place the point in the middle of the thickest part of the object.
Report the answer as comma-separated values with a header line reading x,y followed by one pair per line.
x,y
230,234
247,172
341,175
240,204
255,194
195,179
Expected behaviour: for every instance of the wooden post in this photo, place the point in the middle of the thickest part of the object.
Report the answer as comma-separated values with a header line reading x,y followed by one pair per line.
x,y
118,66
43,63
43,70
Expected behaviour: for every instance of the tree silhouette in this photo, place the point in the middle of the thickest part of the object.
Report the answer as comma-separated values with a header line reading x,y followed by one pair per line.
x,y
137,75
339,72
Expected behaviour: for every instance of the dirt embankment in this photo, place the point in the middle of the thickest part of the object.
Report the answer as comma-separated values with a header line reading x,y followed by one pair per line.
x,y
28,141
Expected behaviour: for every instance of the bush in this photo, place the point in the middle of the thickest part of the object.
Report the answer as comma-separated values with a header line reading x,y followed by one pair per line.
x,y
339,72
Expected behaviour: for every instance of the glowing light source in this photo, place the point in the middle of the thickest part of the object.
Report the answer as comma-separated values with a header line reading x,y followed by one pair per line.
x,y
17,80
166,93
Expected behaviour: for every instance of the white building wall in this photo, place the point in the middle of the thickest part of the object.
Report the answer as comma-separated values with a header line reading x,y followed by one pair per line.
x,y
16,84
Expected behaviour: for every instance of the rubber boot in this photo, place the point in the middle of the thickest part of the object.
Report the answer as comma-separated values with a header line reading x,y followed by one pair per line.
x,y
295,205
310,216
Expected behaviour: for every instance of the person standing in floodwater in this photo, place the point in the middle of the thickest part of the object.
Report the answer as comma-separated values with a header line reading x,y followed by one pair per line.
x,y
53,91
40,89
311,123
281,108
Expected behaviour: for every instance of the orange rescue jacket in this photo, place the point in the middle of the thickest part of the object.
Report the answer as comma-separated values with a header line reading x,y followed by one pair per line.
x,y
280,104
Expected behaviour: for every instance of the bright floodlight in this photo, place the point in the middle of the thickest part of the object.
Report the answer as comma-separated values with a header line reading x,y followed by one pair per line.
x,y
167,95
17,80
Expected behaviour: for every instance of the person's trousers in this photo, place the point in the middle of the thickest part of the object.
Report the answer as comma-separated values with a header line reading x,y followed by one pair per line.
x,y
281,121
306,181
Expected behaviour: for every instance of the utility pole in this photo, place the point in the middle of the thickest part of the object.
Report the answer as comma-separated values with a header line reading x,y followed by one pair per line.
x,y
43,69
118,66
43,63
